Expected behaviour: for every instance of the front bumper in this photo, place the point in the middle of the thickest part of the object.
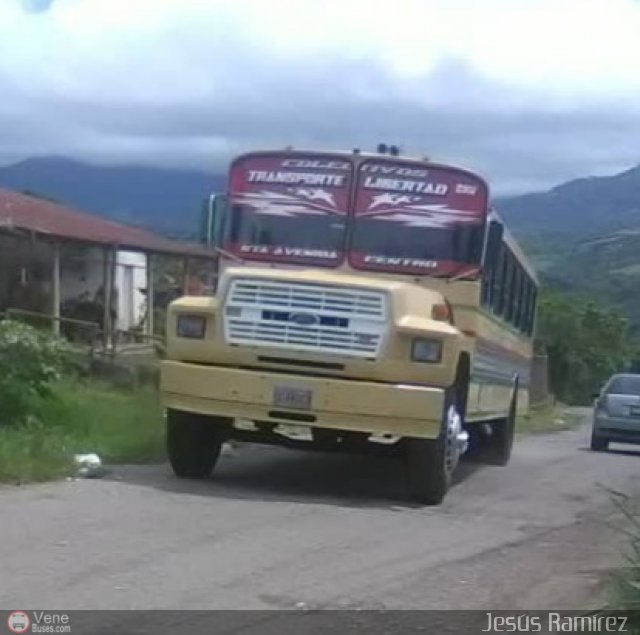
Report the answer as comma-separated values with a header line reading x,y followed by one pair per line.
x,y
410,411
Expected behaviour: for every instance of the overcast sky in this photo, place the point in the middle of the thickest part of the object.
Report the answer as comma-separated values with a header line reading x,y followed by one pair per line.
x,y
528,92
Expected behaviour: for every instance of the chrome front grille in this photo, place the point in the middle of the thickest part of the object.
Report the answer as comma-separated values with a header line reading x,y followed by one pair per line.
x,y
305,317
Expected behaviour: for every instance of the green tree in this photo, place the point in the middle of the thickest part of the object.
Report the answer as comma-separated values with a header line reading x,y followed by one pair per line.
x,y
585,342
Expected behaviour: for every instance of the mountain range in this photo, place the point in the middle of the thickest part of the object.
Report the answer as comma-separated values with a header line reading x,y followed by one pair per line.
x,y
579,208
164,200
584,235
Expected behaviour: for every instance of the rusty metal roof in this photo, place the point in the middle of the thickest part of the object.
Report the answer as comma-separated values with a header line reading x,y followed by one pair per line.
x,y
22,212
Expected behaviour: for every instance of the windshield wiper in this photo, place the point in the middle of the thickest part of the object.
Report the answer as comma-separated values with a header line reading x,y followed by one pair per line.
x,y
228,254
465,269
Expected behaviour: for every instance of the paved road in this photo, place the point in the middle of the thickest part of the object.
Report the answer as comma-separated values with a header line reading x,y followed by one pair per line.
x,y
281,529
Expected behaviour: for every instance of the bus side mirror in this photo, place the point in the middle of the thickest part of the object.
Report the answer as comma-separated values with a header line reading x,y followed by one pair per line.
x,y
494,244
213,220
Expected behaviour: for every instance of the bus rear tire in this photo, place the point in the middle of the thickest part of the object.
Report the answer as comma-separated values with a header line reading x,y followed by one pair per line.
x,y
500,443
194,442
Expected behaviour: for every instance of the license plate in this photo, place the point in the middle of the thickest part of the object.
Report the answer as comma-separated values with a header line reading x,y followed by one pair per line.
x,y
295,398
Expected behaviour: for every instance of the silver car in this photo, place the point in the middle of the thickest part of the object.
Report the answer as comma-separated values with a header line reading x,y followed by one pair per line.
x,y
616,414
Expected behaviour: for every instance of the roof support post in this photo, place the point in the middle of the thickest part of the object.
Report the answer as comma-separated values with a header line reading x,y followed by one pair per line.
x,y
56,299
186,273
106,314
108,323
150,294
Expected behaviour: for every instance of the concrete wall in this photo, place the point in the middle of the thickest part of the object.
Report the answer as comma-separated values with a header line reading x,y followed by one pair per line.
x,y
539,391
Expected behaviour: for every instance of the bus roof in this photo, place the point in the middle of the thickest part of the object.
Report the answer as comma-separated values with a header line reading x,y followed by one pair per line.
x,y
358,156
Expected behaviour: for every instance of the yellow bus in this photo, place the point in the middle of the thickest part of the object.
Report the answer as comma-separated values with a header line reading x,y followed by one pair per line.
x,y
366,302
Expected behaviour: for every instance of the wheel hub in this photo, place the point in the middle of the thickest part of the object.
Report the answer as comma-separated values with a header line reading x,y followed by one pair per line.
x,y
456,440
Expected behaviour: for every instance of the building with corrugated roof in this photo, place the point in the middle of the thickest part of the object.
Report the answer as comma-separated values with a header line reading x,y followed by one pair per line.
x,y
65,265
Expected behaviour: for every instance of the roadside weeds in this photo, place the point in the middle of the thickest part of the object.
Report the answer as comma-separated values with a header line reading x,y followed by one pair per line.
x,y
126,426
548,418
624,581
120,426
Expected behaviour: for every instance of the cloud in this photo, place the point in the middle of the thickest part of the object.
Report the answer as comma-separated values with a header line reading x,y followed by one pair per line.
x,y
36,6
527,92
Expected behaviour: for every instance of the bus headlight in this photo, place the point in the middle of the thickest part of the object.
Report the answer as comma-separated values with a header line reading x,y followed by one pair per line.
x,y
191,326
426,350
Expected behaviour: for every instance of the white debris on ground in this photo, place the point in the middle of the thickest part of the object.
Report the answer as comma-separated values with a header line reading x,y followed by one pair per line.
x,y
228,450
89,465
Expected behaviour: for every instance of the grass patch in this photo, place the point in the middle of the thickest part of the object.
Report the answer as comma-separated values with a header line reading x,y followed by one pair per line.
x,y
546,418
31,453
120,426
625,585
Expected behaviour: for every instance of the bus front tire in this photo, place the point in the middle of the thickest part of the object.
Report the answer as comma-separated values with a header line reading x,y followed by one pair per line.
x,y
430,463
427,475
194,442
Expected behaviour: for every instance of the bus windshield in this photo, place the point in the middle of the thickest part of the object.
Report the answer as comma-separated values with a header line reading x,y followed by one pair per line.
x,y
416,219
289,208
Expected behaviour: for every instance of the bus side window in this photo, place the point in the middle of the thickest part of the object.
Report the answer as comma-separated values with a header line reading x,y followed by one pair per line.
x,y
511,289
520,298
515,288
487,287
507,287
532,311
498,282
523,321
525,308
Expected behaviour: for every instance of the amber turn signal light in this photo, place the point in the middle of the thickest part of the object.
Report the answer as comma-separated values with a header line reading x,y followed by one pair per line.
x,y
441,313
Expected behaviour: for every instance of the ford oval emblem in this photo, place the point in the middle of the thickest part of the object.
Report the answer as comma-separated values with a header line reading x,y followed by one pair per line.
x,y
304,319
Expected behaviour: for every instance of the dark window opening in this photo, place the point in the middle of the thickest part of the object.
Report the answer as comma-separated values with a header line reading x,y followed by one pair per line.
x,y
318,237
389,239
